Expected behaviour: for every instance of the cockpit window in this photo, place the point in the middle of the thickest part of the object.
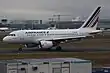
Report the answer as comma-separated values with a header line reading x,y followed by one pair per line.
x,y
11,35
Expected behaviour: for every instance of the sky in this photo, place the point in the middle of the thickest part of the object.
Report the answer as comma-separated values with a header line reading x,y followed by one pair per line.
x,y
45,9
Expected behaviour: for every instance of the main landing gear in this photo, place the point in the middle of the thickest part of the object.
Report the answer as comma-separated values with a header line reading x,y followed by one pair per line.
x,y
56,45
58,48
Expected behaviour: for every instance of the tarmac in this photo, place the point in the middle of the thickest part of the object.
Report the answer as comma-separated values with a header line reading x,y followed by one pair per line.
x,y
64,49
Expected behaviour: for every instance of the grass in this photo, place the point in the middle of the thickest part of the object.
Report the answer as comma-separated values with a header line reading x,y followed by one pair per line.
x,y
8,46
97,58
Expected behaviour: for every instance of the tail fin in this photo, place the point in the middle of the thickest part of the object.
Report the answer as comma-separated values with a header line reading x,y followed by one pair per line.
x,y
92,20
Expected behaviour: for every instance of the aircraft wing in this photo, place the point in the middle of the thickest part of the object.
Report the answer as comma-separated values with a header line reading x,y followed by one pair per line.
x,y
62,38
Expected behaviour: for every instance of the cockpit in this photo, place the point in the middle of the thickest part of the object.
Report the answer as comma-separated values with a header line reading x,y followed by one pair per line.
x,y
11,35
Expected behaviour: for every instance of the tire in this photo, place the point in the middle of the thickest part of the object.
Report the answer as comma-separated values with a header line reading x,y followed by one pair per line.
x,y
20,49
58,48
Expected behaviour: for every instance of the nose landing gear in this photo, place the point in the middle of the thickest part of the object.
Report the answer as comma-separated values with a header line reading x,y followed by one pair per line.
x,y
20,49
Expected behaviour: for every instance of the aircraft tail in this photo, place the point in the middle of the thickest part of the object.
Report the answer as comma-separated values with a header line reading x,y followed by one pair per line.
x,y
92,20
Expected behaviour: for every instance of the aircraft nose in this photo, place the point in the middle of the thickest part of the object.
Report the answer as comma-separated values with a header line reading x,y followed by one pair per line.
x,y
5,39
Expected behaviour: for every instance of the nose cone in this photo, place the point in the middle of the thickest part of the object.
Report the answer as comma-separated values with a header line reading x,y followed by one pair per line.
x,y
5,39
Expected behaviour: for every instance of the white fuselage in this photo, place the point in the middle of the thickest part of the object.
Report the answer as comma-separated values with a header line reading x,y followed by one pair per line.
x,y
32,36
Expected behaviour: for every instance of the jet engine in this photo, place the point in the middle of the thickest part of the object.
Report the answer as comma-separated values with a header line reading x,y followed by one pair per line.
x,y
46,44
41,44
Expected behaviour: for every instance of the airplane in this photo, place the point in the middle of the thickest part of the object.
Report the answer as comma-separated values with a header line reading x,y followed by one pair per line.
x,y
4,29
46,39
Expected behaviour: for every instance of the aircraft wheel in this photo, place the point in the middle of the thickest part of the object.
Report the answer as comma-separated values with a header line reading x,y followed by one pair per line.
x,y
20,49
58,48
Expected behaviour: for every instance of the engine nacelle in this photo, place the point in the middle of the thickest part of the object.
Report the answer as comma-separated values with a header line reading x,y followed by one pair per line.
x,y
46,44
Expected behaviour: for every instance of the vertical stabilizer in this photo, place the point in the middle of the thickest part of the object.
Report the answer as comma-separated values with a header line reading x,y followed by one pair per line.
x,y
92,20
